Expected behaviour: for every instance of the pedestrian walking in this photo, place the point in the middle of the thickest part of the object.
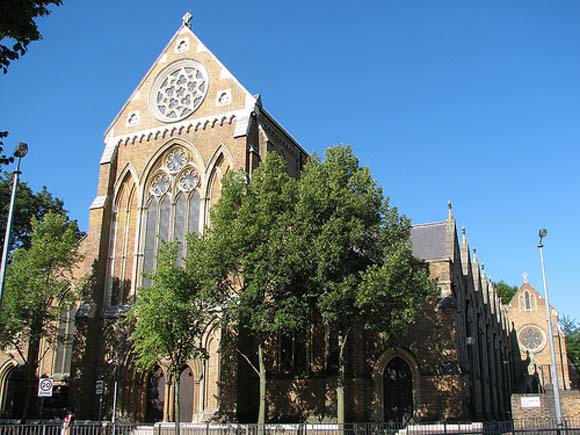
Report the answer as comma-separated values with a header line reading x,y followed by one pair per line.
x,y
66,423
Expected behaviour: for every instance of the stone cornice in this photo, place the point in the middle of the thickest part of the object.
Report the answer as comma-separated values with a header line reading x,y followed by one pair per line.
x,y
169,130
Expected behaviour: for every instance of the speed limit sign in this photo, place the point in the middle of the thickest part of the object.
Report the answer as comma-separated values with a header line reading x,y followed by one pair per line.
x,y
45,387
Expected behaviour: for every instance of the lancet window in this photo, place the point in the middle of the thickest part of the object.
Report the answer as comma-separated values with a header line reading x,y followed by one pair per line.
x,y
63,354
121,244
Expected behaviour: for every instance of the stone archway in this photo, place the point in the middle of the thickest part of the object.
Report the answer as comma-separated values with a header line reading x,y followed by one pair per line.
x,y
396,383
13,392
397,391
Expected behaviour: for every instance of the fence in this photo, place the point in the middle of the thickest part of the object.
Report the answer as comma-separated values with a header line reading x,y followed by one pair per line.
x,y
524,427
77,428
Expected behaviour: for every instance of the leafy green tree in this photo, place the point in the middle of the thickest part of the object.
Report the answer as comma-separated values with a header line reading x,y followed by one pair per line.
x,y
28,204
572,331
254,261
328,242
170,316
4,160
39,289
362,271
505,291
18,27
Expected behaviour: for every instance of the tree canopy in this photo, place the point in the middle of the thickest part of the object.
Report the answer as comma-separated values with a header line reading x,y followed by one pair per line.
x,y
39,290
28,204
280,253
572,331
281,249
255,260
18,27
357,253
4,159
170,316
505,291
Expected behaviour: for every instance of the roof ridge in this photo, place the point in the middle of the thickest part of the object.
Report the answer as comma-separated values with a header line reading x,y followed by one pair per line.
x,y
429,224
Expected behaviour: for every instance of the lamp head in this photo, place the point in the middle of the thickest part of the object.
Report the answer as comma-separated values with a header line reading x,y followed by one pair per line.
x,y
21,150
543,233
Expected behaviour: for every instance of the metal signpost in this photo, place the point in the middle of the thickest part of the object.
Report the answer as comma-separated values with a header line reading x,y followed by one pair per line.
x,y
99,390
45,386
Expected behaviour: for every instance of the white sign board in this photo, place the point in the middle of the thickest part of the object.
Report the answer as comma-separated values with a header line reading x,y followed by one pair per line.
x,y
45,387
530,402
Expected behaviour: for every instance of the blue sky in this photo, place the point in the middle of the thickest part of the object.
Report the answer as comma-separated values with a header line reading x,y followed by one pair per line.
x,y
473,102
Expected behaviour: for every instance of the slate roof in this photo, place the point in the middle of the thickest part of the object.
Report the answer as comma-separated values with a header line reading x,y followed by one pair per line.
x,y
429,240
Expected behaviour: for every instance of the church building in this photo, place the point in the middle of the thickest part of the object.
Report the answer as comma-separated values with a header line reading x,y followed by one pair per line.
x,y
186,124
527,311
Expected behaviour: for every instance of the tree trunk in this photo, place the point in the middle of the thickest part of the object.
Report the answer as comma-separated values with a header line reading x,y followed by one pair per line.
x,y
262,378
176,409
341,380
31,368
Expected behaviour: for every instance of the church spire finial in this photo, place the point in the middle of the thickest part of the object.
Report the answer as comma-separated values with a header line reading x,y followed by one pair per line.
x,y
449,210
525,277
187,19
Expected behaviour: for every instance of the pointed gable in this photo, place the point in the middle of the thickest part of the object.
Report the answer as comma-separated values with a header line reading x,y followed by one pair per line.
x,y
526,298
465,256
186,87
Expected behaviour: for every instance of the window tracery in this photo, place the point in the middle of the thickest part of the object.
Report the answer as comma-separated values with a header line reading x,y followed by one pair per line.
x,y
172,205
178,90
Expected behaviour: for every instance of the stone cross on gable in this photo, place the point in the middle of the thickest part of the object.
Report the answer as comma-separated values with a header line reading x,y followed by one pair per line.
x,y
187,19
525,277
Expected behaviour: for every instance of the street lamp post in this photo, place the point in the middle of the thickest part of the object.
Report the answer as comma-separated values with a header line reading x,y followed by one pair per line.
x,y
21,151
115,365
553,366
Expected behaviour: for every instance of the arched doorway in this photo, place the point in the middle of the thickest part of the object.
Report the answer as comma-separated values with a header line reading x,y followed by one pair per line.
x,y
14,393
397,391
155,396
186,395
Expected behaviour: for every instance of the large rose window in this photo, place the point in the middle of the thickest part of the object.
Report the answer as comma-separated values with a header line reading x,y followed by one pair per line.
x,y
178,90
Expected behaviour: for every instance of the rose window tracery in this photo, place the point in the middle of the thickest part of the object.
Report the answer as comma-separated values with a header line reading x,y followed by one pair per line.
x,y
179,90
160,185
176,161
532,338
188,181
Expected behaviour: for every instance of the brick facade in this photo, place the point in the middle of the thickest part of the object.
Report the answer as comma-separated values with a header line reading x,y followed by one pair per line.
x,y
569,401
528,309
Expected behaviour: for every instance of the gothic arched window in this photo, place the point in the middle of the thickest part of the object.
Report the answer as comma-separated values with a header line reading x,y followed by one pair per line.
x,y
220,168
172,204
121,244
398,391
528,301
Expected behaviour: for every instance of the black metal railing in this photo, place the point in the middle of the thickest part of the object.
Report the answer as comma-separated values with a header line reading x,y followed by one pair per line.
x,y
56,428
512,427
